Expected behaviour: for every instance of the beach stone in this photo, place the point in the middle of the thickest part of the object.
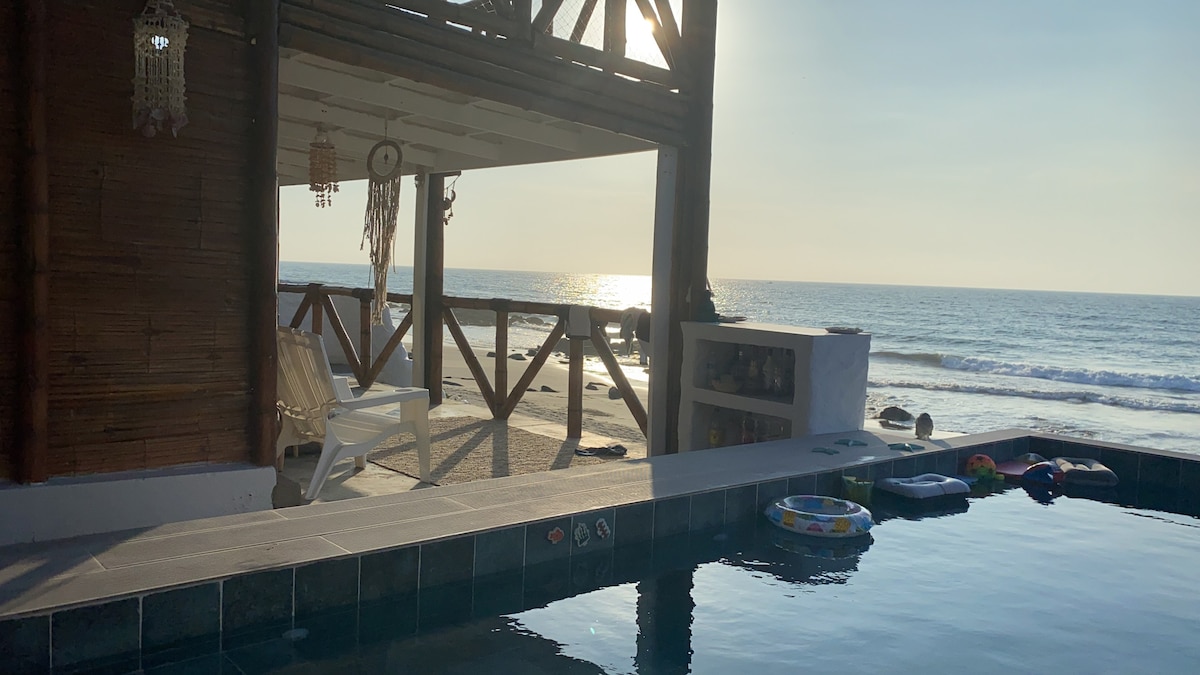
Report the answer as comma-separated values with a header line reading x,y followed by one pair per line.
x,y
592,386
895,414
491,355
531,389
614,393
549,389
531,351
517,357
452,384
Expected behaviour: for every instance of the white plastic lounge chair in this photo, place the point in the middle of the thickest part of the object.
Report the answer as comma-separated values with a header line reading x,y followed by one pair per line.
x,y
312,410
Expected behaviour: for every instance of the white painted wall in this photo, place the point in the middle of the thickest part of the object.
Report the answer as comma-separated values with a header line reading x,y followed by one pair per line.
x,y
69,507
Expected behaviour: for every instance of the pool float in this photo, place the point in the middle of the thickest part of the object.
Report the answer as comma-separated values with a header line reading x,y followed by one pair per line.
x,y
1030,466
819,516
1083,471
925,486
980,467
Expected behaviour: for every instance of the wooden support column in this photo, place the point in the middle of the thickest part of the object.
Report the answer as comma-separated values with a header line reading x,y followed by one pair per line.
x,y
501,360
263,30
34,272
661,317
614,26
689,246
418,313
575,389
435,249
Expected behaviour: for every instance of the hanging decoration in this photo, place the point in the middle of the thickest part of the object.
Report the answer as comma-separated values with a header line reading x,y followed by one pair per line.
x,y
322,168
159,40
448,198
383,207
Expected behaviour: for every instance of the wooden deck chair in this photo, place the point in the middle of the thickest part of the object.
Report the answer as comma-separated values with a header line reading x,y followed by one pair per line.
x,y
348,426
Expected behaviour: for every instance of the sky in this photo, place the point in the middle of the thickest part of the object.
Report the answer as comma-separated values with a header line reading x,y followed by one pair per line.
x,y
1018,144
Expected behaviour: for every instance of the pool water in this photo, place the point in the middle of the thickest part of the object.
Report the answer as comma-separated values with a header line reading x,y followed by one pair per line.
x,y
1005,583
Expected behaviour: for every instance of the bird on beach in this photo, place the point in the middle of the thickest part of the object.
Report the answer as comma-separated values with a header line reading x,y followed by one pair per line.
x,y
924,426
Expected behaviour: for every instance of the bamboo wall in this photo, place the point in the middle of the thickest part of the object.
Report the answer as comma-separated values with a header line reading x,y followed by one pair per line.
x,y
149,304
10,143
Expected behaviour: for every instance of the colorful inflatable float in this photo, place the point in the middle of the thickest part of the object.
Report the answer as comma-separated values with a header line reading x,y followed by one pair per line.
x,y
819,516
925,486
1084,472
1029,467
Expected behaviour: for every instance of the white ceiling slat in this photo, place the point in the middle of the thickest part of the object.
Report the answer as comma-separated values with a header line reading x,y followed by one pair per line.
x,y
334,116
342,85
298,136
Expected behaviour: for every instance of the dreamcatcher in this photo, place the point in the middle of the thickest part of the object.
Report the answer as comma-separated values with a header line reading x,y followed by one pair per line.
x,y
383,207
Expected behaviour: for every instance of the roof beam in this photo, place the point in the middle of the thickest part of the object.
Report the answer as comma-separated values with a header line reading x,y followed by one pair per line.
x,y
343,85
300,135
334,116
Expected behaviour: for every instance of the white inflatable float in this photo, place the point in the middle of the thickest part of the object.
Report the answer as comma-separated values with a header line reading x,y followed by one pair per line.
x,y
925,486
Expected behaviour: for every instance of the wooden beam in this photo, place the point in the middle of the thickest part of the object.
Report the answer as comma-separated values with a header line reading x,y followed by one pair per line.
x,y
435,251
622,383
335,117
263,29
501,361
661,305
544,21
600,109
389,349
34,275
614,26
612,63
575,388
395,97
296,136
476,368
442,11
666,19
581,23
532,369
660,35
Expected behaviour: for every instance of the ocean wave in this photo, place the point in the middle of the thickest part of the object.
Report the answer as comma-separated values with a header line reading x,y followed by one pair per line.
x,y
1129,402
1104,378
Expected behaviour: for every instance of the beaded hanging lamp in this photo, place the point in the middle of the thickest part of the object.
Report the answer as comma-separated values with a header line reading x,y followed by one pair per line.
x,y
322,168
159,41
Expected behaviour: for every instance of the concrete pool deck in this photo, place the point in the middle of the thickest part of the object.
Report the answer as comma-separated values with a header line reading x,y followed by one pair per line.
x,y
337,552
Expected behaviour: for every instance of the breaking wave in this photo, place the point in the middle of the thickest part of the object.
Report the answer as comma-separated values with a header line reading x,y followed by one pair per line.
x,y
1104,378
1129,402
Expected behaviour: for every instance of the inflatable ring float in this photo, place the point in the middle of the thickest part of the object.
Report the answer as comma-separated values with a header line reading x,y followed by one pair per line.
x,y
819,516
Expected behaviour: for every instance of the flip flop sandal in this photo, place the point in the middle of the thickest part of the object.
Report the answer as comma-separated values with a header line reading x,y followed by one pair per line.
x,y
849,442
827,451
614,450
906,447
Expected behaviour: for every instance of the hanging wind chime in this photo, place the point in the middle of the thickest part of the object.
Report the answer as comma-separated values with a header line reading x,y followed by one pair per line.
x,y
159,40
322,168
383,207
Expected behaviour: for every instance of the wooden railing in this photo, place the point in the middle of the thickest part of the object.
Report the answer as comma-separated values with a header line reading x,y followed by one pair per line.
x,y
500,400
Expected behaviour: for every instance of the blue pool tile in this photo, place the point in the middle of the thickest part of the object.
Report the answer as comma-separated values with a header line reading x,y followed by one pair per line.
x,y
671,516
925,463
326,586
256,607
25,645
100,638
769,492
1122,463
1021,446
389,574
947,463
634,523
828,484
592,531
181,624
672,553
802,485
1002,451
590,571
442,606
859,472
546,582
1082,450
260,658
905,467
209,664
328,637
741,503
447,562
879,470
633,562
388,620
499,550
547,540
1157,471
707,511
497,594
1189,476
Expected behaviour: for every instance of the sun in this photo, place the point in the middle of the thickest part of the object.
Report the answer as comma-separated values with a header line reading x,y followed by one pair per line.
x,y
639,38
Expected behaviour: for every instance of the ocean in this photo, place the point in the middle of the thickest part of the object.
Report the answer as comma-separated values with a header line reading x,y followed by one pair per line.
x,y
1119,368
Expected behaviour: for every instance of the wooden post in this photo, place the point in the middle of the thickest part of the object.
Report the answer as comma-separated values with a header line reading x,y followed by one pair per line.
x,y
317,307
364,338
263,31
575,389
34,387
435,250
501,359
663,313
420,248
614,26
689,238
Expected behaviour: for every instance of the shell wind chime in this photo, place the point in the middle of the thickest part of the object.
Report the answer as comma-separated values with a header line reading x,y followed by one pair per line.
x,y
322,168
383,207
159,41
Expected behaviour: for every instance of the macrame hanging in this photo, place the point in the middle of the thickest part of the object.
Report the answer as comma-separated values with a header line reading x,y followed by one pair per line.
x,y
159,40
383,207
448,198
322,168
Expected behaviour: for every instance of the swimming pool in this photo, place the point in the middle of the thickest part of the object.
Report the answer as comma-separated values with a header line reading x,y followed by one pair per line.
x,y
1013,582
